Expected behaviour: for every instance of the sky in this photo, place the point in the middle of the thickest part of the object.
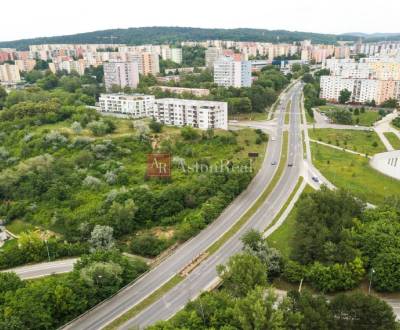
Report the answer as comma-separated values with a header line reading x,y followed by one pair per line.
x,y
40,18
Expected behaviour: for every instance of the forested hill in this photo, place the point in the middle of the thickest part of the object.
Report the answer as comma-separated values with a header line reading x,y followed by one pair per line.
x,y
157,35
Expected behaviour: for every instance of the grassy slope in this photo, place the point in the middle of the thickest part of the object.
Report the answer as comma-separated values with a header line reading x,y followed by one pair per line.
x,y
354,173
360,141
365,119
393,139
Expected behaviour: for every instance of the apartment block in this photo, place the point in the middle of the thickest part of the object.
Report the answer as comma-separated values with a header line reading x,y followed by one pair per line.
x,y
182,90
169,111
9,73
228,72
212,54
194,113
26,65
173,54
122,74
362,90
135,105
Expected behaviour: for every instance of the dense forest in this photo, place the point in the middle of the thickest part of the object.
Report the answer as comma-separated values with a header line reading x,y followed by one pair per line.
x,y
160,35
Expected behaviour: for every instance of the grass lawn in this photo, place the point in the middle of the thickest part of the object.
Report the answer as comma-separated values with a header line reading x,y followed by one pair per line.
x,y
282,237
310,120
354,173
368,118
360,141
393,139
249,116
17,227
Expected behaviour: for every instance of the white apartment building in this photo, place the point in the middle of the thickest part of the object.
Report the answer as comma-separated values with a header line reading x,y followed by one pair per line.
x,y
169,111
9,73
194,113
229,72
173,54
123,74
212,54
362,90
135,105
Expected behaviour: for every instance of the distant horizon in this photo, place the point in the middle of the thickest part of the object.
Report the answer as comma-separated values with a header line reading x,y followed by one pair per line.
x,y
42,19
354,33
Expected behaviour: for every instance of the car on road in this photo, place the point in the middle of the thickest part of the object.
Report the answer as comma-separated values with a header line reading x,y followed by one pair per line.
x,y
274,162
315,179
290,164
273,138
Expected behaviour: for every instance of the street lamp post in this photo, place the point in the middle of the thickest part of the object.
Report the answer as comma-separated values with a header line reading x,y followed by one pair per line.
x,y
47,248
370,280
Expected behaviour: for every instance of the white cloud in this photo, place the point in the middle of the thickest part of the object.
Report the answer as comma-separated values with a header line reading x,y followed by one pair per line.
x,y
48,18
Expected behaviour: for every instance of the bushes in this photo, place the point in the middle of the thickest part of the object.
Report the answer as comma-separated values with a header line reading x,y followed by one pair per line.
x,y
386,268
102,127
189,134
31,248
50,302
147,245
335,277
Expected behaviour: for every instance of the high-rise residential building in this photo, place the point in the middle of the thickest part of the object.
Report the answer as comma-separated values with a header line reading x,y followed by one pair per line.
x,y
26,65
123,74
195,113
212,54
148,62
172,54
9,73
132,105
228,72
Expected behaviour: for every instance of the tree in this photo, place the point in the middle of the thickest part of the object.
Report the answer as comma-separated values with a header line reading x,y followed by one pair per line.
x,y
359,311
256,311
120,216
155,126
324,221
102,237
242,273
344,96
253,243
386,268
308,78
105,276
390,103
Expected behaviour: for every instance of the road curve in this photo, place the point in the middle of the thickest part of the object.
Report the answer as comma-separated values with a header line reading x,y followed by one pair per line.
x,y
117,305
43,269
206,273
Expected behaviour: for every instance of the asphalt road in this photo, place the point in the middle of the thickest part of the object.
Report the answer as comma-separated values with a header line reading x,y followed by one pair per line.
x,y
43,269
205,273
112,308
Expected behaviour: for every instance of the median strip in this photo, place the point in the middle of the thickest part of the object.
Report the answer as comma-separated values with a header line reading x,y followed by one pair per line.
x,y
287,112
214,247
152,298
284,207
228,234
